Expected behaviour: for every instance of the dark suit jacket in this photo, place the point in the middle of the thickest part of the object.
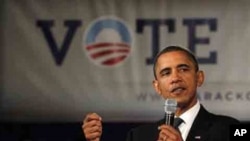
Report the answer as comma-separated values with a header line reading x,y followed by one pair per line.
x,y
206,127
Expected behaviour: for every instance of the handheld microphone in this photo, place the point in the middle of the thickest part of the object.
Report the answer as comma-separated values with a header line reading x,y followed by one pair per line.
x,y
170,108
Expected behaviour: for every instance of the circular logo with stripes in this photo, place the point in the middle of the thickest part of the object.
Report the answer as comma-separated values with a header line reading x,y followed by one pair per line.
x,y
107,41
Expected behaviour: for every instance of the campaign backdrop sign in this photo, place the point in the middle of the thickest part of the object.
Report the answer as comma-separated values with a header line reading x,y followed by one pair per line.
x,y
62,59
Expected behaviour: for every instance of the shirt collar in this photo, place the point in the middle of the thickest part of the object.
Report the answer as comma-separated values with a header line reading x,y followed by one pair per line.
x,y
189,116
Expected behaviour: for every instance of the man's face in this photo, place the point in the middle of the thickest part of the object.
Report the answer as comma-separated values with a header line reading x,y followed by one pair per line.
x,y
177,78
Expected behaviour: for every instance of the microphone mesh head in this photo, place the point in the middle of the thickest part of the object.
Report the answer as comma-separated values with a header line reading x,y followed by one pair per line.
x,y
170,106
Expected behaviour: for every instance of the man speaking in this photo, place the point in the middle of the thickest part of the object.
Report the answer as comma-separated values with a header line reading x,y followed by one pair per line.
x,y
177,77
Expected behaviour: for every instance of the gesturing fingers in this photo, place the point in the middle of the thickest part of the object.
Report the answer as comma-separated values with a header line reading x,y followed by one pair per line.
x,y
92,127
92,116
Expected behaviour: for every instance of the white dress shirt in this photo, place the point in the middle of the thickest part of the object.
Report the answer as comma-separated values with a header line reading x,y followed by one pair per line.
x,y
188,118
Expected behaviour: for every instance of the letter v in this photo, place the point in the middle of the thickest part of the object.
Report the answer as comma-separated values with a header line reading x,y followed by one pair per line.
x,y
58,54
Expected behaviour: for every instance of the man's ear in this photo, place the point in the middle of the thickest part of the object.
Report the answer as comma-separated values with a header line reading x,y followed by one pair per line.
x,y
200,78
156,87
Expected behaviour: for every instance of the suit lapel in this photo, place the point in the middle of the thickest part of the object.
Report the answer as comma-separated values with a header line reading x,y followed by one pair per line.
x,y
200,126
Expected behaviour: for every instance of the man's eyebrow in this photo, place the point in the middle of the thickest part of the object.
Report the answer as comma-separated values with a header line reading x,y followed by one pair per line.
x,y
164,69
183,65
178,66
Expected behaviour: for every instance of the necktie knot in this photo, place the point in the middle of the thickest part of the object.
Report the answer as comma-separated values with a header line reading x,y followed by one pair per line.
x,y
177,122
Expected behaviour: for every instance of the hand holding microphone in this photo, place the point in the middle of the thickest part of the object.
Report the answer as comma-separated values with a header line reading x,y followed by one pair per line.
x,y
167,132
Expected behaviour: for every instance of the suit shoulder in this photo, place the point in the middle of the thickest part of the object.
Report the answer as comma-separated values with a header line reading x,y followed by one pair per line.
x,y
225,119
206,115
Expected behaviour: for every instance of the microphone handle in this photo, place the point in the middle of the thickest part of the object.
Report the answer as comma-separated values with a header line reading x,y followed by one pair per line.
x,y
170,119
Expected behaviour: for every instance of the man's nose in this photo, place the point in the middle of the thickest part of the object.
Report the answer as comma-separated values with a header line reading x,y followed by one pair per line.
x,y
175,77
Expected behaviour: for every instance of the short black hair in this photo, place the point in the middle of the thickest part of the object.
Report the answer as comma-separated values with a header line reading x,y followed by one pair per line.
x,y
189,54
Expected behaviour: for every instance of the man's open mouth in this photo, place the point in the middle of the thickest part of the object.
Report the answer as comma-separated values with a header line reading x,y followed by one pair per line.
x,y
178,90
